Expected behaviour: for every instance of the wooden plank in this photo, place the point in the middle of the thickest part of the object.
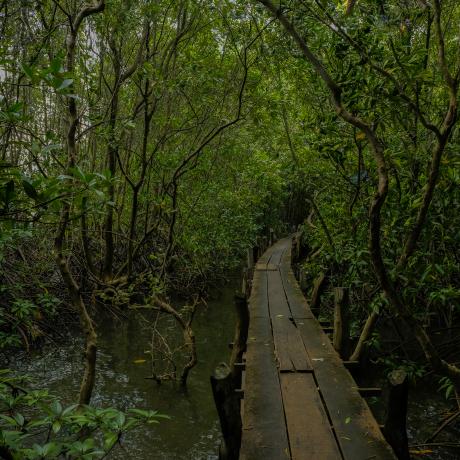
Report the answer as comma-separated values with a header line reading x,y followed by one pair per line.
x,y
357,431
261,266
265,257
264,430
276,256
289,348
278,250
271,267
296,300
286,258
258,302
310,433
277,302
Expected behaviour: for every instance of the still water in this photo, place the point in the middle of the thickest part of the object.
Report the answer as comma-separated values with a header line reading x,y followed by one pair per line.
x,y
193,431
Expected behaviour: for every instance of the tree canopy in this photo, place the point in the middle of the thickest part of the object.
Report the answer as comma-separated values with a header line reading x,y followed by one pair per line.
x,y
146,145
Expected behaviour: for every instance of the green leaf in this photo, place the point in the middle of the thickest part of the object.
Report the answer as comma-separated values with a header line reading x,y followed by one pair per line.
x,y
56,407
56,426
65,84
8,419
29,189
51,449
69,409
56,65
28,71
109,440
19,419
120,419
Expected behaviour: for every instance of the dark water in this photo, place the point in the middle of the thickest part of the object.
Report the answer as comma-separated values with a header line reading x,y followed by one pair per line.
x,y
193,431
427,408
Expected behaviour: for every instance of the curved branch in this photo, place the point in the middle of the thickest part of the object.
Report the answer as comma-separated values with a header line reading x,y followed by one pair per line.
x,y
397,304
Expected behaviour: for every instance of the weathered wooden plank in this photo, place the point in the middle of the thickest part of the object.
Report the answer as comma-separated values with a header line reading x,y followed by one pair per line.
x,y
264,429
356,429
258,302
277,301
278,249
310,433
265,257
296,300
289,348
261,266
286,258
268,254
276,256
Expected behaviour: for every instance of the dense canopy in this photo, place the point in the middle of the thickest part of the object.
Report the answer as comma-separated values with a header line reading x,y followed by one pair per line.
x,y
145,146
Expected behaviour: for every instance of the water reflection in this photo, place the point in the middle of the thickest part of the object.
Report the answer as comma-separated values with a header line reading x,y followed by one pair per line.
x,y
193,431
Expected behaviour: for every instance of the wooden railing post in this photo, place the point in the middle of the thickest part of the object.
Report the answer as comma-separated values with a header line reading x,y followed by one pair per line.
x,y
295,249
302,280
264,244
271,239
250,258
245,282
395,423
241,336
341,340
227,402
226,383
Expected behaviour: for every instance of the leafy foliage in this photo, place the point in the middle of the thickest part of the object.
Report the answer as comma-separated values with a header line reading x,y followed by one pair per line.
x,y
35,425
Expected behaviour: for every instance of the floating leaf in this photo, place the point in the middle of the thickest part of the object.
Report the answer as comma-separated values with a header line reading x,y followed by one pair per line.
x,y
139,361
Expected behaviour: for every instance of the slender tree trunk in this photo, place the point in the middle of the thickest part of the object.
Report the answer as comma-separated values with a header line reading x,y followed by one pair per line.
x,y
71,284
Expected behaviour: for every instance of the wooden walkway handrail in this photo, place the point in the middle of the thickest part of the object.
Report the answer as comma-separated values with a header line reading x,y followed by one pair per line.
x,y
300,402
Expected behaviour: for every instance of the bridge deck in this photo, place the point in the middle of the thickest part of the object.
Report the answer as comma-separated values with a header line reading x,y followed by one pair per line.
x,y
299,402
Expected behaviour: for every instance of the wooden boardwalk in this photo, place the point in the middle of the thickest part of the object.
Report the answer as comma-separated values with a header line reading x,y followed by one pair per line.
x,y
299,400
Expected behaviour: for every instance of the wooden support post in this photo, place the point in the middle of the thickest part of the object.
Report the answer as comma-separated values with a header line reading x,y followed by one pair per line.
x,y
341,340
302,280
295,249
227,402
264,244
258,248
250,258
241,337
255,253
395,423
318,288
246,282
271,237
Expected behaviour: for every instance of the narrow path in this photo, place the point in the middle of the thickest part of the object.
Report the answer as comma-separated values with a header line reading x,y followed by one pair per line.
x,y
299,402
